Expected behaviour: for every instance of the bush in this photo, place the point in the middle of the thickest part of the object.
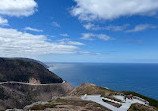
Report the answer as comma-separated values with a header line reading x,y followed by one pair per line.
x,y
42,107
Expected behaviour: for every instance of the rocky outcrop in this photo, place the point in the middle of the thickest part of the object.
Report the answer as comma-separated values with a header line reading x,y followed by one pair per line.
x,y
34,81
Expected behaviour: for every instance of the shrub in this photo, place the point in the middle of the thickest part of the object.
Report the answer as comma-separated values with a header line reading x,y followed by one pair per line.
x,y
42,107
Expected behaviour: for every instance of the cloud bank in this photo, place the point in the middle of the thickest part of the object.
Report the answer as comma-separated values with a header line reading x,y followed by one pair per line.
x,y
18,7
69,42
91,26
89,10
92,36
142,27
16,43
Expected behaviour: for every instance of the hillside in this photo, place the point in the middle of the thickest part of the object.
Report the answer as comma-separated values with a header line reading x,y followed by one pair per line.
x,y
73,102
23,82
23,70
92,89
16,95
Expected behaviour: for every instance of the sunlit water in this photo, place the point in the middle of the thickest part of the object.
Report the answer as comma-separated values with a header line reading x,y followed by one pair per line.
x,y
141,78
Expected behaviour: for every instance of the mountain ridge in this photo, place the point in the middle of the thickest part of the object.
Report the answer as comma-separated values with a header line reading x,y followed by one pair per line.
x,y
24,71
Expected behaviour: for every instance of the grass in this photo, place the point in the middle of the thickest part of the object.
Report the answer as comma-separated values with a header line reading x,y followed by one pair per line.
x,y
152,102
90,90
103,91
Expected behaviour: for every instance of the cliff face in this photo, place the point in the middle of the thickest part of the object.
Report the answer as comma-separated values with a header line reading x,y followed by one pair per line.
x,y
25,82
22,71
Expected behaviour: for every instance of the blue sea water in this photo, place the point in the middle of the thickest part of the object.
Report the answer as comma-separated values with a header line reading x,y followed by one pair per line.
x,y
141,78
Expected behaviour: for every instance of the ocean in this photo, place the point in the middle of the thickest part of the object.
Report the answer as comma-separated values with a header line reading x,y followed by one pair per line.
x,y
140,78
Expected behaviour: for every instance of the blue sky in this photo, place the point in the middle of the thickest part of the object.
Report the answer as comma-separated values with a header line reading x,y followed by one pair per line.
x,y
80,30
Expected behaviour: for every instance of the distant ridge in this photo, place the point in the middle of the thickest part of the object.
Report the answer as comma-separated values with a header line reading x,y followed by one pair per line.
x,y
25,70
28,59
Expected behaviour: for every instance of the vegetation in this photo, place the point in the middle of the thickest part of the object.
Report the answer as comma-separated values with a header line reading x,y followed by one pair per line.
x,y
3,95
90,89
21,71
42,107
152,102
17,95
67,103
140,107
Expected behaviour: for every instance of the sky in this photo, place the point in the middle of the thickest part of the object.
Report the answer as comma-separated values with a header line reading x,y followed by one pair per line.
x,y
109,31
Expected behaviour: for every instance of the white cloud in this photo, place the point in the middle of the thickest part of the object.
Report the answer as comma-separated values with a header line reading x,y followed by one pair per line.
x,y
91,36
137,28
69,42
87,36
111,9
88,53
52,36
15,43
117,27
17,7
75,43
55,24
141,27
91,26
64,35
33,29
3,21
